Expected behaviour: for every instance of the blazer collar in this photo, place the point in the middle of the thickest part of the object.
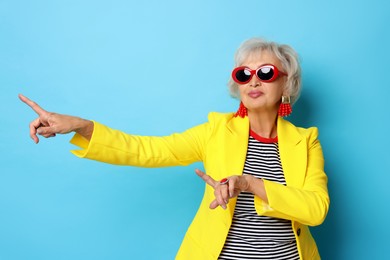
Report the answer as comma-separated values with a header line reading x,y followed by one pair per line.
x,y
288,133
238,126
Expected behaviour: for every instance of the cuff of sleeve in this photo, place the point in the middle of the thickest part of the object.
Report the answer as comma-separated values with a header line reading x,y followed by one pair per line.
x,y
268,209
261,206
271,188
83,143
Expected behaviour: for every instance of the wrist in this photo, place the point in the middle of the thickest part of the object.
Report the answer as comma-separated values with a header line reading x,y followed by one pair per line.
x,y
254,185
84,127
249,183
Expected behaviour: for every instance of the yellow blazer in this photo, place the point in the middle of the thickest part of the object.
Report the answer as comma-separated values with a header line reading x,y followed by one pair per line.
x,y
221,144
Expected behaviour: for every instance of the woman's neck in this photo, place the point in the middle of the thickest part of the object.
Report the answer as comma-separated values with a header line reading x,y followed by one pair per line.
x,y
263,124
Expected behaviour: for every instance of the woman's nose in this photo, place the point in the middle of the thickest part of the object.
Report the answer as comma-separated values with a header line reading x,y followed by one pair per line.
x,y
254,82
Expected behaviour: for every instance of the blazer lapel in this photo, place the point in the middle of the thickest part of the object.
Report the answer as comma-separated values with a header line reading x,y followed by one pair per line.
x,y
293,153
238,134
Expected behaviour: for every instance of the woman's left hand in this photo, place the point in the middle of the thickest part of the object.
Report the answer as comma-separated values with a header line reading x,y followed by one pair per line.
x,y
223,192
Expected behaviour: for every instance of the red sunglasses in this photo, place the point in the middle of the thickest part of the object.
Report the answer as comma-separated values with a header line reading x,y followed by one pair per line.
x,y
265,73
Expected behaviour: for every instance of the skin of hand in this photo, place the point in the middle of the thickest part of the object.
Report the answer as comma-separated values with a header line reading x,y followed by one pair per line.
x,y
48,124
236,184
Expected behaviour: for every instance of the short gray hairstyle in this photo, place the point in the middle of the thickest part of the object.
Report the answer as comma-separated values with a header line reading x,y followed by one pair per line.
x,y
287,56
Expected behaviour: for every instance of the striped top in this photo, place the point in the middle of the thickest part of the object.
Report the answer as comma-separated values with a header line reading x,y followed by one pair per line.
x,y
252,236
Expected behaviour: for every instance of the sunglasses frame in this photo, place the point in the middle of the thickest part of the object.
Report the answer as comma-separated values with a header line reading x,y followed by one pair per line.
x,y
277,72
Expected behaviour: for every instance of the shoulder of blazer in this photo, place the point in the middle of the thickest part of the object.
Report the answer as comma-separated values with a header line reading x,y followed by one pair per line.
x,y
217,117
234,125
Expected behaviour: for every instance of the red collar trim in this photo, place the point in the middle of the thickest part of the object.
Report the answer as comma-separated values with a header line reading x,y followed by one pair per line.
x,y
263,139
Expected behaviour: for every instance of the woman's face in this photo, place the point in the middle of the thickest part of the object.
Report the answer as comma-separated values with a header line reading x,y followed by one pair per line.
x,y
258,96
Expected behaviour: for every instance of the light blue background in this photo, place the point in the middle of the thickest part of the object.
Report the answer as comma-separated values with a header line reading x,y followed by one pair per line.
x,y
157,67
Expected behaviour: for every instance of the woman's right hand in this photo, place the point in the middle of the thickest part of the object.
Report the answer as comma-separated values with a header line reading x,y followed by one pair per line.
x,y
49,124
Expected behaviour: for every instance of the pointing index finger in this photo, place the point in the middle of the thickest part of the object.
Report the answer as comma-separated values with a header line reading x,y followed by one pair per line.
x,y
210,181
32,104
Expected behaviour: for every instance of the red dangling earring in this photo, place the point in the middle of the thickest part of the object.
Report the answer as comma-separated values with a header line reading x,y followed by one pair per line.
x,y
285,108
242,111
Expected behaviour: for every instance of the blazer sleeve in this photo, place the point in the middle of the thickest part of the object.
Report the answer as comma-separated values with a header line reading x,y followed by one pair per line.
x,y
307,204
116,147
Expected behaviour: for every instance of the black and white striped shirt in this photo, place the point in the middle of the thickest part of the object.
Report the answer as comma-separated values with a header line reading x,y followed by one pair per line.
x,y
252,236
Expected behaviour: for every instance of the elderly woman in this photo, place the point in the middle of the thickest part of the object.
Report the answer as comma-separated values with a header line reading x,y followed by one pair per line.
x,y
265,177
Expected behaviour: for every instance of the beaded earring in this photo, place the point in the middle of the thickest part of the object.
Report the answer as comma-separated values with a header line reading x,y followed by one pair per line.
x,y
285,108
242,111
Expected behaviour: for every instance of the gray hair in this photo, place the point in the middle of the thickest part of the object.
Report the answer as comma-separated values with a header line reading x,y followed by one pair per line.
x,y
287,56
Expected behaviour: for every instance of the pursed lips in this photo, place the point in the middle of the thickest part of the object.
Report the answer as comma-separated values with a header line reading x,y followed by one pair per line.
x,y
255,94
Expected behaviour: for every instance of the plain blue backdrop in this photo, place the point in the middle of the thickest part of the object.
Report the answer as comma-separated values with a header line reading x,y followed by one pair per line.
x,y
157,67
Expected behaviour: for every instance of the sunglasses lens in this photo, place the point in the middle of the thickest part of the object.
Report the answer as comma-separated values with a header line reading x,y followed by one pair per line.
x,y
243,75
266,73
